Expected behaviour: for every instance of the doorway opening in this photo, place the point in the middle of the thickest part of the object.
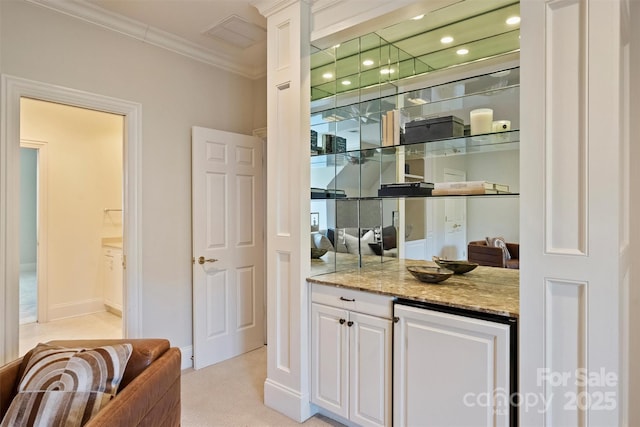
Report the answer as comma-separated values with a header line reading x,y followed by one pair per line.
x,y
14,90
71,223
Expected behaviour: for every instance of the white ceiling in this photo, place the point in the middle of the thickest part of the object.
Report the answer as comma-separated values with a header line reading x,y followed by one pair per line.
x,y
179,25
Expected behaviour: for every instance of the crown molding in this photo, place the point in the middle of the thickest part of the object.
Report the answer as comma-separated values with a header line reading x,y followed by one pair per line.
x,y
129,27
269,7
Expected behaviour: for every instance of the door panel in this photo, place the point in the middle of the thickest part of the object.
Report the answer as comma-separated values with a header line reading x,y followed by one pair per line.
x,y
246,298
455,220
228,245
329,359
370,369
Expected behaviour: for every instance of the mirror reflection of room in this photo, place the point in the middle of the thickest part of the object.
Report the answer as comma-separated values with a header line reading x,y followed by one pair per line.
x,y
355,220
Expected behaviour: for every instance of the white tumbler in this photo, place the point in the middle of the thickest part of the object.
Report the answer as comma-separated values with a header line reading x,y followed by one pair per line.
x,y
481,121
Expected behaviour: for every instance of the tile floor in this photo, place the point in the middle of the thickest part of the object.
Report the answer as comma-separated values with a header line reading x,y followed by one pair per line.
x,y
91,326
28,297
96,325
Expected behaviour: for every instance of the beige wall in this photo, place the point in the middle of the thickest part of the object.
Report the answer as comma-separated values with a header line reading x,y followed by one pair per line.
x,y
176,93
84,176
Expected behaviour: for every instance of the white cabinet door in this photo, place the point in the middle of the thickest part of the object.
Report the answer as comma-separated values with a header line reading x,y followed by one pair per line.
x,y
112,278
369,369
329,359
450,370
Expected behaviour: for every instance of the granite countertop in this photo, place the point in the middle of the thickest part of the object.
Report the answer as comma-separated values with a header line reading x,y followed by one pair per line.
x,y
485,289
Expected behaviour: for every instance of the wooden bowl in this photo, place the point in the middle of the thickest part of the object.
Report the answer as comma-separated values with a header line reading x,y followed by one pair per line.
x,y
458,267
429,274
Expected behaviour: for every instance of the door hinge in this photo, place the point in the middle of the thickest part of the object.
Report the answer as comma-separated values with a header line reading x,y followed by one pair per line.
x,y
124,262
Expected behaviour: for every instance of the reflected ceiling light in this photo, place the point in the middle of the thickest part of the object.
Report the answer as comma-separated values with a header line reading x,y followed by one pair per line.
x,y
387,71
346,82
417,101
462,51
502,73
417,18
327,76
335,46
514,20
367,62
446,40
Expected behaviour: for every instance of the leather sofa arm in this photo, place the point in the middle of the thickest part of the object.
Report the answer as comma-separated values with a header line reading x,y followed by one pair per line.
x,y
151,399
8,382
482,254
514,250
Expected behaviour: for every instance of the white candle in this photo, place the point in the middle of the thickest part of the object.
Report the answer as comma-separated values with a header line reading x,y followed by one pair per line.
x,y
481,121
501,125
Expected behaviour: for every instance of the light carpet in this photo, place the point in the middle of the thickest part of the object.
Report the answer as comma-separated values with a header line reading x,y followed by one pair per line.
x,y
231,393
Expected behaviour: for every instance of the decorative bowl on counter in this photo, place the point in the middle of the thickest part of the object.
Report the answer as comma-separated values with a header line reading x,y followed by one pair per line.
x,y
318,252
458,267
429,274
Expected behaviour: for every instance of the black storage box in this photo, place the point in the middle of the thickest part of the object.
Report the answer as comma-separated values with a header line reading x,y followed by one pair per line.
x,y
406,189
431,129
318,193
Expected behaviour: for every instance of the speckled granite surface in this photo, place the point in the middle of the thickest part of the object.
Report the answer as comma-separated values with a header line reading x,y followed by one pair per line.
x,y
485,289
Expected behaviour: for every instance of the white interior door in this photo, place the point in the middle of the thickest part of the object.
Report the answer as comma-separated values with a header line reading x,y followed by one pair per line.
x,y
455,220
228,245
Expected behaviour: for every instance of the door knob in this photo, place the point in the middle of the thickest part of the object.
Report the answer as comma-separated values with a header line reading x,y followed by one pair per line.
x,y
202,260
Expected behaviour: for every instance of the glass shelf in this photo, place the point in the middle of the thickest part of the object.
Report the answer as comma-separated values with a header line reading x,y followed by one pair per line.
x,y
499,141
443,196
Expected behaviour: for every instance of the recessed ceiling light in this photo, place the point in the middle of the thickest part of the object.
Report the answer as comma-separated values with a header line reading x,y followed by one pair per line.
x,y
327,76
346,82
417,18
462,51
446,40
514,20
387,71
367,62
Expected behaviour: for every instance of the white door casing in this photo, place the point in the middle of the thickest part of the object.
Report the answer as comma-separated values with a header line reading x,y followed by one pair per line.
x,y
42,226
13,89
455,220
228,233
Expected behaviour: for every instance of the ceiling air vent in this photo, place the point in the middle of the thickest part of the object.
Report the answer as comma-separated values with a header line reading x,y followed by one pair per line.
x,y
237,32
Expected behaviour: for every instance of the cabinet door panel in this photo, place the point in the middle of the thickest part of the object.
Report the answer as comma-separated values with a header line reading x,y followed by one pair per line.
x,y
450,370
370,370
112,276
329,359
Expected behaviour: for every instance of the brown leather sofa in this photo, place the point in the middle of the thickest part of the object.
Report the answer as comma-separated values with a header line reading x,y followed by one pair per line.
x,y
480,253
149,394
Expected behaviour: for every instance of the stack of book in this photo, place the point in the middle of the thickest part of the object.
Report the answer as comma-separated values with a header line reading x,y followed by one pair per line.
x,y
314,143
468,187
393,123
334,144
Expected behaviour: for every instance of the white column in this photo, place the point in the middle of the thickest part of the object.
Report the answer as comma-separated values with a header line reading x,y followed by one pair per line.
x,y
575,191
288,103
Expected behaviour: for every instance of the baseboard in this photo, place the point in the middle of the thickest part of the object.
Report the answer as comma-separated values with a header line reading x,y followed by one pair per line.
x,y
74,309
187,357
287,401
